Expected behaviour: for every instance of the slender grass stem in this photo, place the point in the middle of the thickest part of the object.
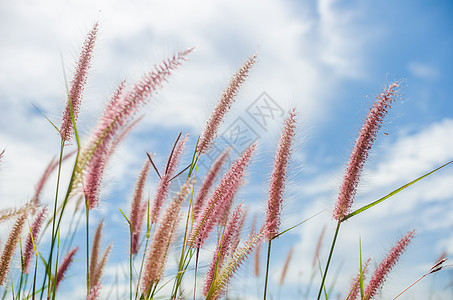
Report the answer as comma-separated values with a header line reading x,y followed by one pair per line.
x,y
130,263
180,274
34,279
328,260
88,246
52,244
267,268
144,256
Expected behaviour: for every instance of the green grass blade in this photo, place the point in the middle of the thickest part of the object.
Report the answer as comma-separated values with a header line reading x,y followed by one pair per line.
x,y
358,211
125,217
298,224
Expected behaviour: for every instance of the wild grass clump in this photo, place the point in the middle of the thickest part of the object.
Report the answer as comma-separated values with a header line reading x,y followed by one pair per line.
x,y
209,214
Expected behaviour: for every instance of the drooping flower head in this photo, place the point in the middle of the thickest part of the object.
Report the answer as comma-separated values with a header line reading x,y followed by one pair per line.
x,y
116,121
279,174
223,105
361,148
77,85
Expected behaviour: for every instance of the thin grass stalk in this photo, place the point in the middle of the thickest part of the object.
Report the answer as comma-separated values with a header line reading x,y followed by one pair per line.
x,y
183,257
267,268
21,274
49,262
34,278
328,260
88,246
148,231
130,263
71,109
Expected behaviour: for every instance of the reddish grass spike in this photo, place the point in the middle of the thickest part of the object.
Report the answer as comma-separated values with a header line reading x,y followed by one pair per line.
x,y
223,105
95,278
378,278
8,213
233,264
64,266
165,181
96,167
162,238
355,287
121,112
208,182
220,199
94,292
10,247
138,208
224,246
367,135
279,174
93,181
237,235
45,176
285,266
28,249
77,85
95,251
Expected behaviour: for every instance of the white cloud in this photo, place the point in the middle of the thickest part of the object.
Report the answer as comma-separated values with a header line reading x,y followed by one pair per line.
x,y
423,70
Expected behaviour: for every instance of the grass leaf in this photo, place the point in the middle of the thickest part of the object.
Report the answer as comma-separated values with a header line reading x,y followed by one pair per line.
x,y
358,211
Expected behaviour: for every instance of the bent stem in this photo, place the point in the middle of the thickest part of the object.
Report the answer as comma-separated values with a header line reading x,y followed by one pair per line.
x,y
328,260
267,268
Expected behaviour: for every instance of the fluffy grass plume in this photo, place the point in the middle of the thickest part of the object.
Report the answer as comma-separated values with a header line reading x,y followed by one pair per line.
x,y
362,146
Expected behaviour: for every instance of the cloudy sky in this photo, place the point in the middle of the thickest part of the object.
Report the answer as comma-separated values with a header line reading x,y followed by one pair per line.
x,y
329,59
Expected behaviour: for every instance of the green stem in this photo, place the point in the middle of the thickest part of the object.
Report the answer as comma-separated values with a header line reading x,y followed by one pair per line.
x,y
267,268
88,247
52,244
328,260
130,263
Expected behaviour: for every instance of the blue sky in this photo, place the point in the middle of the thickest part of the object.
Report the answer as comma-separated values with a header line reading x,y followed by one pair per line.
x,y
329,59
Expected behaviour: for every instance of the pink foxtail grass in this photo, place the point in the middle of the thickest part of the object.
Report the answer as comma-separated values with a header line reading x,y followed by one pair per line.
x,y
382,271
363,144
205,208
223,105
277,185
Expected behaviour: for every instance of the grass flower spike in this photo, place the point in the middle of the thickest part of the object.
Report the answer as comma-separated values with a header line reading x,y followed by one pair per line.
x,y
77,85
10,247
120,112
219,284
378,278
224,246
64,266
28,249
138,207
361,148
165,181
220,199
279,174
162,238
223,105
208,182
